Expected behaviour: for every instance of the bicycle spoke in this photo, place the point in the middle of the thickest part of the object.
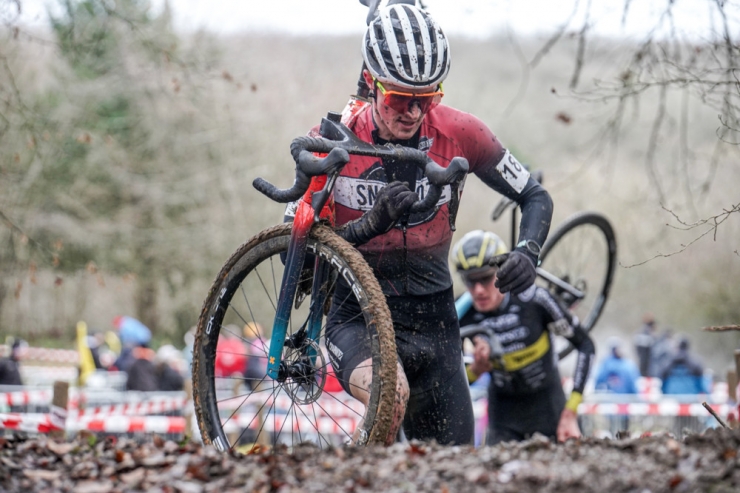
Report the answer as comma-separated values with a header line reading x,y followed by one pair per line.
x,y
257,414
342,403
332,418
315,427
265,288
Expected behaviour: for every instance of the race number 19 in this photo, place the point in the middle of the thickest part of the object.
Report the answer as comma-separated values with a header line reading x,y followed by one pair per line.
x,y
513,172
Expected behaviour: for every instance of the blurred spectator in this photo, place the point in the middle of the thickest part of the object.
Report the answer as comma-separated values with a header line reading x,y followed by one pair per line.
x,y
662,352
132,334
124,360
95,342
231,353
169,369
617,374
113,342
142,372
9,365
684,373
131,331
256,364
644,340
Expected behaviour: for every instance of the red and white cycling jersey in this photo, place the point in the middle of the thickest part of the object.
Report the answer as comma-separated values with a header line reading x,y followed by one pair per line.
x,y
412,257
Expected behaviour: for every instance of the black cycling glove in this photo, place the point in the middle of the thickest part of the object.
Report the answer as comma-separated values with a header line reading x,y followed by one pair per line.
x,y
391,203
517,273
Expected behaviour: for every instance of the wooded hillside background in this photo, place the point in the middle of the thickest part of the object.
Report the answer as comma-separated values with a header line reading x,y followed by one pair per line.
x,y
127,153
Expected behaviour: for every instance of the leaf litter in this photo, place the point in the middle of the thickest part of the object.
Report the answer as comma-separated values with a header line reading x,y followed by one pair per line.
x,y
703,462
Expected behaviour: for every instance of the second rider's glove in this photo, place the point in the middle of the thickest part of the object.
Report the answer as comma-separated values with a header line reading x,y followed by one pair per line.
x,y
516,274
391,203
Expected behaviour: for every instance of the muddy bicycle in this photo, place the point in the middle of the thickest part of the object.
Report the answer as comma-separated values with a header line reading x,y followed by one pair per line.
x,y
577,264
291,270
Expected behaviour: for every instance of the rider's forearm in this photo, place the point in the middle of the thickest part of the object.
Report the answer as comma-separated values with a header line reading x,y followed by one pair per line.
x,y
359,231
537,208
586,351
534,200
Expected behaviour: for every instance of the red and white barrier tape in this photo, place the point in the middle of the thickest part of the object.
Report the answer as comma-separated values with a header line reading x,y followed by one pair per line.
x,y
665,408
44,423
129,424
38,423
26,398
153,405
47,355
135,409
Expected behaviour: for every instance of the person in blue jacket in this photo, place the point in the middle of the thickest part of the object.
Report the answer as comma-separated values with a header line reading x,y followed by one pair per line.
x,y
616,373
684,373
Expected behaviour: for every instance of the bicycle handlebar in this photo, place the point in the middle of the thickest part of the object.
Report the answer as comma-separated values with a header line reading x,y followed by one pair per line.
x,y
339,141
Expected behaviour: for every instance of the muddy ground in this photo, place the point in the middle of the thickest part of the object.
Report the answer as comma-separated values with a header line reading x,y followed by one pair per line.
x,y
706,462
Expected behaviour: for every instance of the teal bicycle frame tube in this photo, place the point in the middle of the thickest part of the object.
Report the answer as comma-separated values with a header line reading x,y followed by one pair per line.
x,y
293,263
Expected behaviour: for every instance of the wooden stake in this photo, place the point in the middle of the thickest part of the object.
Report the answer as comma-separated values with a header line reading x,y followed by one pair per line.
x,y
189,408
59,401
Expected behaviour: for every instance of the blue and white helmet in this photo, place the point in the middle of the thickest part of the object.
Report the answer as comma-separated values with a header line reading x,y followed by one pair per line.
x,y
404,46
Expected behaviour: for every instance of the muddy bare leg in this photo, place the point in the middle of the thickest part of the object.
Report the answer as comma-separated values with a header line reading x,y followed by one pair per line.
x,y
359,382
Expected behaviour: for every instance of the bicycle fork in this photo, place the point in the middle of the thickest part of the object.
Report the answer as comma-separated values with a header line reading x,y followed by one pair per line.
x,y
304,220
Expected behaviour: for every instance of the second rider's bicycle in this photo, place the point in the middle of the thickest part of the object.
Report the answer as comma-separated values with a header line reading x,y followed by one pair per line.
x,y
577,264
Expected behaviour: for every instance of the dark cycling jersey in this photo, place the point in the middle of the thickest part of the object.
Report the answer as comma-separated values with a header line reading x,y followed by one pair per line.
x,y
526,395
412,257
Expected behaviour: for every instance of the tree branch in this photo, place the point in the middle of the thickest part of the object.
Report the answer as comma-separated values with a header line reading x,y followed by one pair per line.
x,y
713,223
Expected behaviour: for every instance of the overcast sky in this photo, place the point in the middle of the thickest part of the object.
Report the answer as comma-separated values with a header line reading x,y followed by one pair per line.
x,y
477,18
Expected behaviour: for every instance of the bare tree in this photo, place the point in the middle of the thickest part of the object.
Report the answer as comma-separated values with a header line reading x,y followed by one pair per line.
x,y
667,71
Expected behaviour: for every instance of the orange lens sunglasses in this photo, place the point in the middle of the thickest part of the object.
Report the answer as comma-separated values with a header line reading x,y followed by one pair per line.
x,y
401,102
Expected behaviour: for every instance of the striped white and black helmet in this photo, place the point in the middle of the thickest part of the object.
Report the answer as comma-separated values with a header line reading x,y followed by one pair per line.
x,y
474,250
405,47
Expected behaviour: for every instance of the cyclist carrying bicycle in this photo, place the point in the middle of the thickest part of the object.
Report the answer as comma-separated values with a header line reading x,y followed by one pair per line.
x,y
525,394
407,58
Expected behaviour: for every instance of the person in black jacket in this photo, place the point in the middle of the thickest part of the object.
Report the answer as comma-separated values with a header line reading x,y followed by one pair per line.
x,y
142,372
9,368
169,377
525,393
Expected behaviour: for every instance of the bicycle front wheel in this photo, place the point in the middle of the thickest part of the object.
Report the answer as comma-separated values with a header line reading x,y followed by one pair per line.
x,y
238,408
583,253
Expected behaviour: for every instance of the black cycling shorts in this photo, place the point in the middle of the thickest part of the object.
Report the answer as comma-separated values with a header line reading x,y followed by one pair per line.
x,y
518,416
429,349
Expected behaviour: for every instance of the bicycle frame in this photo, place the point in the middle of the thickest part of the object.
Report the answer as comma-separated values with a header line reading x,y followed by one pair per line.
x,y
337,144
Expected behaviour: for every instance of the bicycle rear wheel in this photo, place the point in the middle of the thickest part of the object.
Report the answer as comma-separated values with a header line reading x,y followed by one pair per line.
x,y
236,411
582,252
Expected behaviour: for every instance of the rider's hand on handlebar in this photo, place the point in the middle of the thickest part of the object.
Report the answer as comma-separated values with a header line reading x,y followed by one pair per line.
x,y
516,274
481,356
392,202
